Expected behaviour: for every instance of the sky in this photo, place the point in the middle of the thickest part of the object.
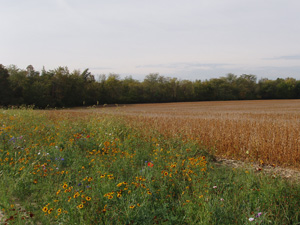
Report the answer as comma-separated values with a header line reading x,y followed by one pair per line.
x,y
187,39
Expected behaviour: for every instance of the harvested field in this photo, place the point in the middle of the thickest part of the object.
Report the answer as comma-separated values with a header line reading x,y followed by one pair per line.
x,y
266,131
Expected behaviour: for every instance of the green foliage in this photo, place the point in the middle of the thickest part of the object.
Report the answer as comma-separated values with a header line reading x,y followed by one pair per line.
x,y
62,88
5,91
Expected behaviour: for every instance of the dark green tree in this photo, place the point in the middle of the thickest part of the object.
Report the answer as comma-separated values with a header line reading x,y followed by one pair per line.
x,y
113,88
5,91
151,87
246,85
132,91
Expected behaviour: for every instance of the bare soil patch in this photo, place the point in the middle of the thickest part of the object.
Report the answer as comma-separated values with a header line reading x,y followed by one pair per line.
x,y
286,173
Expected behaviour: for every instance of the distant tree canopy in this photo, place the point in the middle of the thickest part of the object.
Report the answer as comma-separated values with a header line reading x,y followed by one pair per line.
x,y
62,88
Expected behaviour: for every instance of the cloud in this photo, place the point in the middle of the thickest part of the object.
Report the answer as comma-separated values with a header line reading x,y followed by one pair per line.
x,y
186,66
100,68
286,57
64,5
271,72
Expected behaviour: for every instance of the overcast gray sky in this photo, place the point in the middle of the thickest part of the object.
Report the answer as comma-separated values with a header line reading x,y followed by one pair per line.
x,y
188,39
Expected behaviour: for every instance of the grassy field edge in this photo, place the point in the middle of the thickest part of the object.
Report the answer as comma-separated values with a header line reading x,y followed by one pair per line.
x,y
73,169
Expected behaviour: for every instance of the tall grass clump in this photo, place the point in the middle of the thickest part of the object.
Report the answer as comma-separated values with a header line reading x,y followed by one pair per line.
x,y
80,168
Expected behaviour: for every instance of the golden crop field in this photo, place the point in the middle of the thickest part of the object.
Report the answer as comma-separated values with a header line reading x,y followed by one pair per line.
x,y
265,131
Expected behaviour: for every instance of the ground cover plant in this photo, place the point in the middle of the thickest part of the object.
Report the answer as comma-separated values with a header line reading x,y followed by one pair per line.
x,y
62,167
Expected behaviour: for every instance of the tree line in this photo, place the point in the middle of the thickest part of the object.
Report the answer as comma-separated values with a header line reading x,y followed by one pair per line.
x,y
62,88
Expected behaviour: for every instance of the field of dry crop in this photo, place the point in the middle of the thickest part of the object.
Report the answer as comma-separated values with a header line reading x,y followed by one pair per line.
x,y
111,165
265,131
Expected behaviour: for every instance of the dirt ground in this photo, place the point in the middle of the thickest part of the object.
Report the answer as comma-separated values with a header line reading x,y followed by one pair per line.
x,y
286,173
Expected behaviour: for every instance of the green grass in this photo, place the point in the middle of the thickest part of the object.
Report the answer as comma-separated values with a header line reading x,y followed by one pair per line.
x,y
64,168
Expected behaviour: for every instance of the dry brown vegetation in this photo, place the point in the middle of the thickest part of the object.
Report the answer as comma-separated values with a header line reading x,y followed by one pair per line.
x,y
267,130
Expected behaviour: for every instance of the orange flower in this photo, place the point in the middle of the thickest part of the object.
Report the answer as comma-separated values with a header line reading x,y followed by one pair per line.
x,y
150,164
50,211
76,195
